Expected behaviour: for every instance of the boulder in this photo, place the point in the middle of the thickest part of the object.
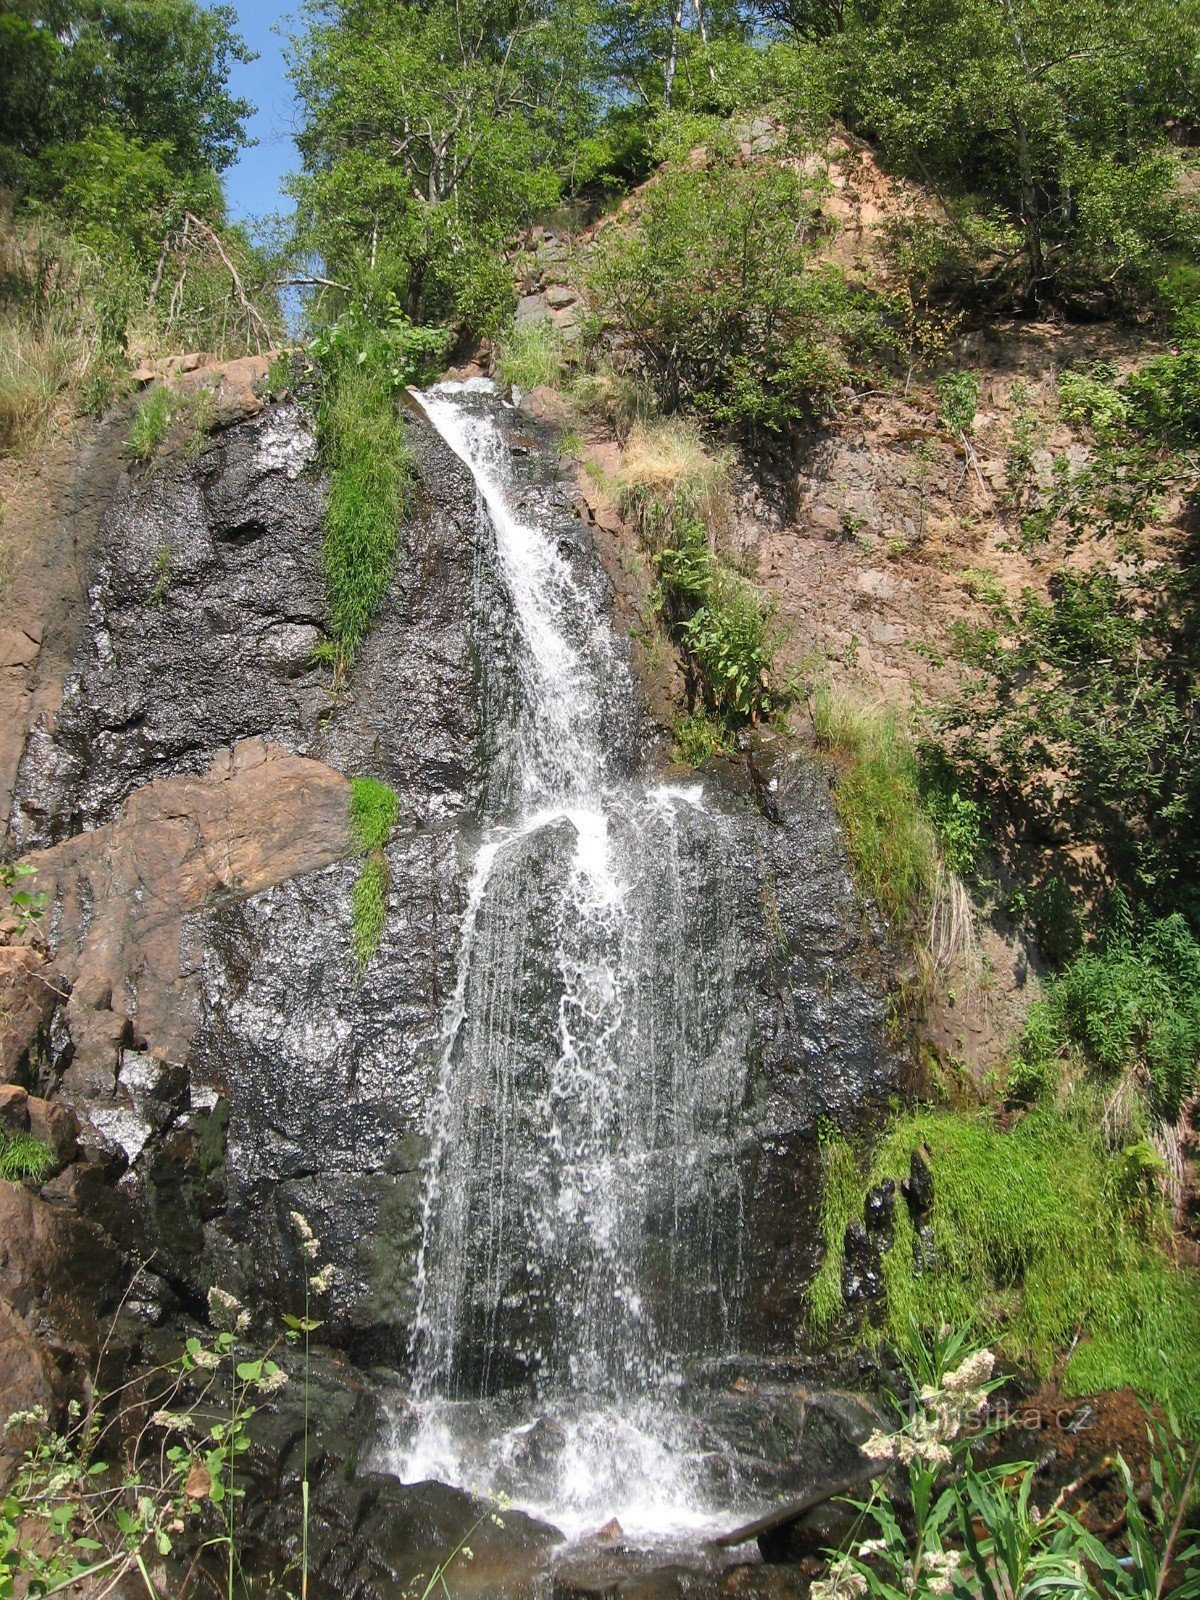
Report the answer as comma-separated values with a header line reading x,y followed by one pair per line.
x,y
28,995
27,1375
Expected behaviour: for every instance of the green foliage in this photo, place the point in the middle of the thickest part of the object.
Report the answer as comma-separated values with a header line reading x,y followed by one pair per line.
x,y
714,286
1129,1006
531,356
1084,714
729,638
374,809
1011,113
698,737
942,1524
154,70
24,906
430,134
958,401
889,838
379,335
363,447
1091,397
1163,396
841,1204
956,818
23,1157
1034,1243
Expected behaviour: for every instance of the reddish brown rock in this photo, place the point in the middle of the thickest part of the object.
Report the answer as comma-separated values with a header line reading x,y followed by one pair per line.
x,y
58,1272
14,1108
256,818
26,1384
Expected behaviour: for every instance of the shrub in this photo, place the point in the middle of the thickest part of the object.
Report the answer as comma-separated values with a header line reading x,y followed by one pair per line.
x,y
889,838
714,286
1032,1243
532,356
1129,1006
958,400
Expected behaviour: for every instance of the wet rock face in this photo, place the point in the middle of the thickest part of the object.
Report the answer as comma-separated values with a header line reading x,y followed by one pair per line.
x,y
205,598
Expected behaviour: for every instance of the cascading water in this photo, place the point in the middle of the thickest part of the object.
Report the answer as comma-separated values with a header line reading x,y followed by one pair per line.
x,y
582,1209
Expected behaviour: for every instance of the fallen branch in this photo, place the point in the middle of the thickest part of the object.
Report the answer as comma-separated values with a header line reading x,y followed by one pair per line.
x,y
793,1509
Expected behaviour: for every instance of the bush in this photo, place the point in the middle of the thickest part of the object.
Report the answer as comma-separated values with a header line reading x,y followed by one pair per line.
x,y
958,400
531,356
1129,1006
714,286
889,838
1033,1243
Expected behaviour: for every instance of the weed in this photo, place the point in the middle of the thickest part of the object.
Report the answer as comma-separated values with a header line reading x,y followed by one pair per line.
x,y
532,356
1128,1007
363,445
151,422
698,738
163,413
162,576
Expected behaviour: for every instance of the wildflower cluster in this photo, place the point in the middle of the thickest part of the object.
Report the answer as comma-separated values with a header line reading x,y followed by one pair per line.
x,y
954,1529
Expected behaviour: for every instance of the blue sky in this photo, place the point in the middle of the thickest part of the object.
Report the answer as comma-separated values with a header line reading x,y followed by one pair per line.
x,y
254,186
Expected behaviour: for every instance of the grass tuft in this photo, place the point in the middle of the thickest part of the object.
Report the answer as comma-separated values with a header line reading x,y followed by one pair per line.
x,y
166,414
22,1156
841,1202
373,812
668,475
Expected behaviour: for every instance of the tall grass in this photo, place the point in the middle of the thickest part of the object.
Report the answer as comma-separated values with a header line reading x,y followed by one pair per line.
x,y
1034,1245
362,443
532,356
668,475
889,837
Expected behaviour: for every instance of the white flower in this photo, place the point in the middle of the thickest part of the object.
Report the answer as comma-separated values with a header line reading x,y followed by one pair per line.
x,y
880,1447
941,1567
225,1311
971,1374
843,1583
871,1547
208,1360
322,1281
173,1421
309,1242
273,1382
36,1417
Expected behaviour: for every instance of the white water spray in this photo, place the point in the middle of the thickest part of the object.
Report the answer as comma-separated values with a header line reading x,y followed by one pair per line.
x,y
581,1214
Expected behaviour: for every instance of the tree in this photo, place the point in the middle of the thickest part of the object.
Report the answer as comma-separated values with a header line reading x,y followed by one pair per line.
x,y
430,132
155,71
1052,113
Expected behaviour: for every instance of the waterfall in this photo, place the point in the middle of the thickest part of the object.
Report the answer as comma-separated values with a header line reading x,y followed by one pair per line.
x,y
582,1208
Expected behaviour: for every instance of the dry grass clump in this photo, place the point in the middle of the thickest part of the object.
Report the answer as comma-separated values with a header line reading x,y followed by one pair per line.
x,y
668,476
